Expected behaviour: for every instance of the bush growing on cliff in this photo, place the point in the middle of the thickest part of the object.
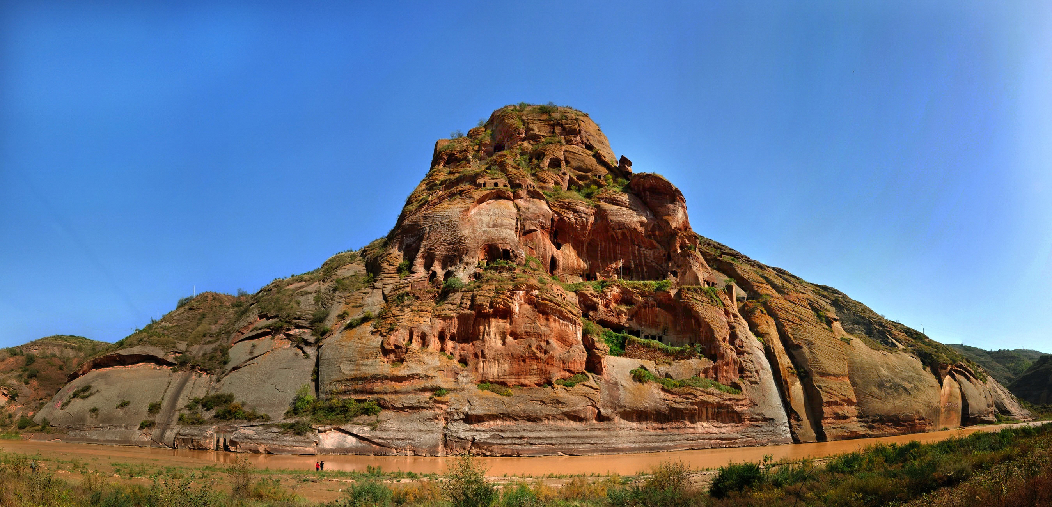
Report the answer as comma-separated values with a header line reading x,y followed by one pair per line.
x,y
616,342
577,378
357,321
452,284
331,410
643,375
495,388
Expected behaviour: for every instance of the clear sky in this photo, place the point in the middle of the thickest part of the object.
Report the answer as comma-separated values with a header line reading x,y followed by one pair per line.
x,y
898,151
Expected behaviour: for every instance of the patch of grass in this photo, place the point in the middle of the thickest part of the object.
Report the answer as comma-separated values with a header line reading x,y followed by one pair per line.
x,y
123,403
495,388
615,341
297,428
994,469
403,269
648,285
577,378
643,375
713,296
154,407
191,418
684,352
147,423
331,410
359,320
223,406
83,392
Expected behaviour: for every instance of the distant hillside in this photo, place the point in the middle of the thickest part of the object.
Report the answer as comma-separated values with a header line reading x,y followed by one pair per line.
x,y
32,373
1004,365
1035,384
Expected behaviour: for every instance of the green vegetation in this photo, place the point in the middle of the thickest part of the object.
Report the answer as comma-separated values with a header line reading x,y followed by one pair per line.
x,y
354,283
643,375
668,485
466,484
223,406
298,428
147,423
83,392
684,352
1035,384
403,269
122,404
495,388
1007,468
331,410
1003,365
713,296
361,319
647,285
615,341
1010,467
154,407
192,418
643,286
452,284
577,378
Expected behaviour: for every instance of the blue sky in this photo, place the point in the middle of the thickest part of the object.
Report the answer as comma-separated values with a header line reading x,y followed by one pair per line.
x,y
899,151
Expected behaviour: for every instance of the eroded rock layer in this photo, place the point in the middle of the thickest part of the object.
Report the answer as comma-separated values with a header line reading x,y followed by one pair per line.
x,y
536,296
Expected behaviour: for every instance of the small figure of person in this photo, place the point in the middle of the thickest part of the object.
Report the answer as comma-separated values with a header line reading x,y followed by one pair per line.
x,y
317,466
322,466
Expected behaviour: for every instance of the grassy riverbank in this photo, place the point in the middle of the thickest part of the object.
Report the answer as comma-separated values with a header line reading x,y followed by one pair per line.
x,y
1010,467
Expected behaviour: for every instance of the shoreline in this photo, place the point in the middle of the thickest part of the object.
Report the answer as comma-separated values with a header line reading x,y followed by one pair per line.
x,y
497,466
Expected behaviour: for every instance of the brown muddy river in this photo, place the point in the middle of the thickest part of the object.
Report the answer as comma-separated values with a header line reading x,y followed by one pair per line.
x,y
623,464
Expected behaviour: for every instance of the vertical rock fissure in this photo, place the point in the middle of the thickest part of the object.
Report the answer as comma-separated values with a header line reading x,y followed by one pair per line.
x,y
812,396
171,402
781,384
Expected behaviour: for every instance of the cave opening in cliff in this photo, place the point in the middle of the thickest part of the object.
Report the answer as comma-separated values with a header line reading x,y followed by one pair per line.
x,y
553,265
432,276
497,148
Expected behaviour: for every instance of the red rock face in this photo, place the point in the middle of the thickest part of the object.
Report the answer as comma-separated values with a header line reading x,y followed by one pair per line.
x,y
537,296
531,213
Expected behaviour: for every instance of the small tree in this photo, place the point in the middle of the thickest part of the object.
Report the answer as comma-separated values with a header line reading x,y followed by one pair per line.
x,y
466,484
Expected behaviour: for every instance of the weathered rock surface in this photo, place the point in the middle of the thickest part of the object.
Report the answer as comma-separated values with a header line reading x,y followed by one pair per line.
x,y
536,296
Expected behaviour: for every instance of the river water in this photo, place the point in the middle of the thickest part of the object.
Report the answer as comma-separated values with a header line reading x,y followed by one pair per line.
x,y
623,464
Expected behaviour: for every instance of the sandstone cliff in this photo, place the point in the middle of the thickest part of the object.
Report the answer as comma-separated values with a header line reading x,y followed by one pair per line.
x,y
536,296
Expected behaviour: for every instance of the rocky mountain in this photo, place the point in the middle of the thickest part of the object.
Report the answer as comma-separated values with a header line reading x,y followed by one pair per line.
x,y
1035,384
1004,365
32,373
536,296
